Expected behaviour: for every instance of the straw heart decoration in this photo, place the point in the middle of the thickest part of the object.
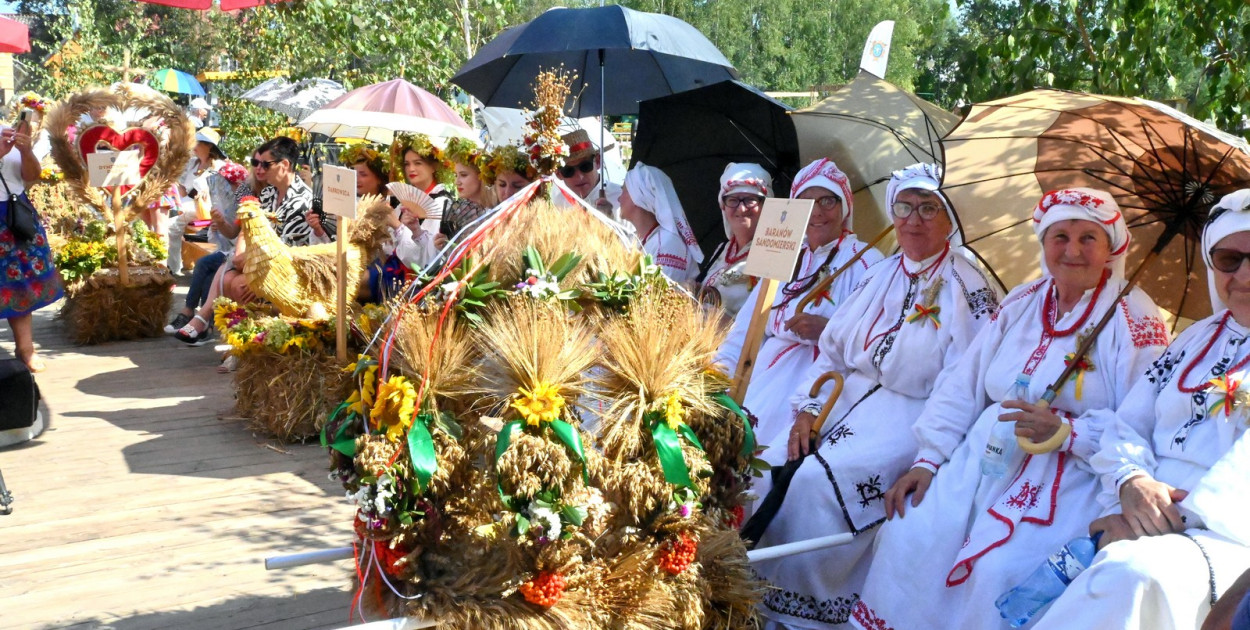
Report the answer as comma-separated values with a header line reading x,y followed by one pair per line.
x,y
164,154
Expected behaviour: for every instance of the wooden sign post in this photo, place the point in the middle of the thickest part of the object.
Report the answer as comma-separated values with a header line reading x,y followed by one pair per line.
x,y
114,169
774,251
338,190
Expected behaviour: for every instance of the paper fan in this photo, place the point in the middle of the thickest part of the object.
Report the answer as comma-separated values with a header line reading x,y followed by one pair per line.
x,y
408,192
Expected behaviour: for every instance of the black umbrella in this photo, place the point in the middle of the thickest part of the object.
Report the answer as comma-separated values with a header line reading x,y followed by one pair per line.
x,y
646,55
643,55
755,526
692,135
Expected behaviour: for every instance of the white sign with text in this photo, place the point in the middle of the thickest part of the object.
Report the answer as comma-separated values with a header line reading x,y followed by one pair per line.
x,y
778,238
113,168
338,191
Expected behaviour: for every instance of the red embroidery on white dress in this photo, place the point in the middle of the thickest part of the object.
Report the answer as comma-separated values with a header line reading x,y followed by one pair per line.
x,y
1017,297
669,260
1026,498
868,617
1147,331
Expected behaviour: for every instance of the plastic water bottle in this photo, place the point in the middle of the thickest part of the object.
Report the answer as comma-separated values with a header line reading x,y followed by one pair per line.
x,y
1046,583
1002,443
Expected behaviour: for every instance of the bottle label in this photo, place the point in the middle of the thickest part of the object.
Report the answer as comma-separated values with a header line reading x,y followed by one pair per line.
x,y
1065,565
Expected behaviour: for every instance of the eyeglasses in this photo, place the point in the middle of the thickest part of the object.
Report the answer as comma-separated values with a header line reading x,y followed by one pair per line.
x,y
1228,260
902,210
585,167
750,203
829,202
265,164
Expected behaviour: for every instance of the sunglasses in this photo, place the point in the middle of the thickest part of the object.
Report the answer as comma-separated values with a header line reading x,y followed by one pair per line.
x,y
1228,260
585,167
265,164
902,210
750,203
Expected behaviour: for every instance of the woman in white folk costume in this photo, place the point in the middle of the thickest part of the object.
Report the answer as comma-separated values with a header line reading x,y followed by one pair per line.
x,y
1176,466
743,188
790,339
649,202
912,315
956,545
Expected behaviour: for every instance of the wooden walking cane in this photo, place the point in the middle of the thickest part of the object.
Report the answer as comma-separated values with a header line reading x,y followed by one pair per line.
x,y
824,285
1038,448
753,530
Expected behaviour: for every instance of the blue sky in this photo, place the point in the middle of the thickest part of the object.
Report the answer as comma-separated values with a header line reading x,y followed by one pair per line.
x,y
8,7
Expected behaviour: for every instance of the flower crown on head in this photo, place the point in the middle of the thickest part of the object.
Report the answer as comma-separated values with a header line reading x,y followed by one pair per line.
x,y
505,158
369,153
462,151
420,144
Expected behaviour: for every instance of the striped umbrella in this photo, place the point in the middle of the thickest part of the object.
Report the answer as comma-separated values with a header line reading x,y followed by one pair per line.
x,y
170,80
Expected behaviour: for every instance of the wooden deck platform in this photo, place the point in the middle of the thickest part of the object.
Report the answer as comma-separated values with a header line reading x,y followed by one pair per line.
x,y
145,506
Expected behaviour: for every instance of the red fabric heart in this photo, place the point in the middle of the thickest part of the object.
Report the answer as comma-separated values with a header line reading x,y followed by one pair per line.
x,y
99,137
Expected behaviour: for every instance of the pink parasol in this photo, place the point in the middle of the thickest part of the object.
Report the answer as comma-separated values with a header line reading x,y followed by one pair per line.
x,y
375,112
14,36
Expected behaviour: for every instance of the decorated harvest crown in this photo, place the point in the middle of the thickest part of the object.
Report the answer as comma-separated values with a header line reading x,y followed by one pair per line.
x,y
370,153
544,145
420,144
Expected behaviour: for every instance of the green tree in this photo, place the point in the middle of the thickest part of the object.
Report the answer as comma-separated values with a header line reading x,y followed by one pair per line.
x,y
795,45
1158,49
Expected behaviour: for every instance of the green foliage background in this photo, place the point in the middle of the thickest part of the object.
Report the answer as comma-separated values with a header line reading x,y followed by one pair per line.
x,y
1193,54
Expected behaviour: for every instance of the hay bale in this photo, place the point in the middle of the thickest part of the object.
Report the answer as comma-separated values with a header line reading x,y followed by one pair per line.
x,y
288,395
99,309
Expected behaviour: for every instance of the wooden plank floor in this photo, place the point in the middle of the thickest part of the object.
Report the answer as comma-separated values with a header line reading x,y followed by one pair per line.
x,y
143,508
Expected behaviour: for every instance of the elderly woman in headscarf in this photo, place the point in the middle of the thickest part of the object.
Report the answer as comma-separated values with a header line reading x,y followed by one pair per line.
x,y
790,337
743,188
650,204
957,541
913,315
1176,466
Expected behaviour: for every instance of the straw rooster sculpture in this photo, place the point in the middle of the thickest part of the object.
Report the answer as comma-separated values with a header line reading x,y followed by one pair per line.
x,y
301,281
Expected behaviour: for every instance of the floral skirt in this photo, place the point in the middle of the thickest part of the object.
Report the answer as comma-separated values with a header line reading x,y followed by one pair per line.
x,y
28,279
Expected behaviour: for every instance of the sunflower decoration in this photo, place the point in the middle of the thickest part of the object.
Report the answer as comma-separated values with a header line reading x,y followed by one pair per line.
x,y
372,154
505,158
420,144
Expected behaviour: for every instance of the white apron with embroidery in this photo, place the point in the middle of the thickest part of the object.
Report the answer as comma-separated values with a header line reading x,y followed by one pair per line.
x,y
897,334
973,537
784,357
1194,440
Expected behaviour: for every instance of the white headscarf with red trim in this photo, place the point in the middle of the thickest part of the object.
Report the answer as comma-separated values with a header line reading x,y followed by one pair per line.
x,y
825,174
1086,204
742,177
653,191
1231,215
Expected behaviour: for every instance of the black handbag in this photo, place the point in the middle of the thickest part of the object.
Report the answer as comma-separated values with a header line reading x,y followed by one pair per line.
x,y
21,217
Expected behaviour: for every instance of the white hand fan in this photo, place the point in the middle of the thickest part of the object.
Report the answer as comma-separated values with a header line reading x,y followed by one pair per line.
x,y
407,192
433,209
